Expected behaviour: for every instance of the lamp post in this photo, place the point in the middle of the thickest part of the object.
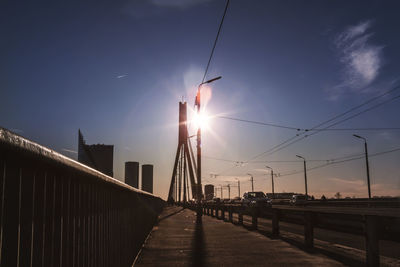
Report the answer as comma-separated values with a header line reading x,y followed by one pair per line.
x,y
305,174
366,161
272,179
238,186
197,103
252,182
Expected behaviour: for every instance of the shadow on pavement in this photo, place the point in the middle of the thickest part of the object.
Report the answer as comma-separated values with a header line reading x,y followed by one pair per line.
x,y
198,245
341,258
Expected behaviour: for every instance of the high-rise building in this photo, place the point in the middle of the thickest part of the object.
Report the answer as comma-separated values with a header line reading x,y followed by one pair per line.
x,y
132,173
147,178
209,191
99,157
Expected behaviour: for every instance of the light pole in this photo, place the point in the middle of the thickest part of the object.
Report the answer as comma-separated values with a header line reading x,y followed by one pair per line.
x,y
197,103
366,161
272,179
305,173
252,182
238,186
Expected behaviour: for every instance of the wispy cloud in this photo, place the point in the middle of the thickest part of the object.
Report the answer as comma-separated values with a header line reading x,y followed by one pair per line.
x,y
144,8
121,76
178,3
19,131
69,150
346,182
361,59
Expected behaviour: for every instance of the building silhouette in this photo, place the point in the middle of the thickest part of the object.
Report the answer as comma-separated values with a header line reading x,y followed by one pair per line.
x,y
99,157
209,191
147,178
132,173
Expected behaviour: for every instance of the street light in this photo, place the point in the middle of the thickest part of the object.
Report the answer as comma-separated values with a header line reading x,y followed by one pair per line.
x,y
366,161
272,178
305,174
238,186
252,182
197,103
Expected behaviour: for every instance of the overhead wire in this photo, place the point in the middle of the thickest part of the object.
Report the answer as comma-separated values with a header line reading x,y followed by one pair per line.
x,y
301,136
344,160
305,129
215,42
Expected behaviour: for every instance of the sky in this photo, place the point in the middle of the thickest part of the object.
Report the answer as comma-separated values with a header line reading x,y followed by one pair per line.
x,y
118,69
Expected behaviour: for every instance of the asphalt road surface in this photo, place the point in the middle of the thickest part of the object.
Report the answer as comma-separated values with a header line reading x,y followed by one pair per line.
x,y
387,248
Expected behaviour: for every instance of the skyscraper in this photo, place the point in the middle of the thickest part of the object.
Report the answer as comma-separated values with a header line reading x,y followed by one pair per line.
x,y
147,178
209,191
99,157
132,173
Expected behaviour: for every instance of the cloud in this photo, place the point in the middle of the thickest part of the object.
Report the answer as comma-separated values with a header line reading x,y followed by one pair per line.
x,y
347,182
358,188
15,130
121,76
69,150
361,59
178,3
145,8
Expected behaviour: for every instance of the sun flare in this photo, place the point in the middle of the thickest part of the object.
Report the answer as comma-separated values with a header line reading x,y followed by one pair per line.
x,y
201,120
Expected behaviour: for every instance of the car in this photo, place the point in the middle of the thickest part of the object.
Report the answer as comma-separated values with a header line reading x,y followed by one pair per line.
x,y
297,200
226,200
256,199
216,200
236,200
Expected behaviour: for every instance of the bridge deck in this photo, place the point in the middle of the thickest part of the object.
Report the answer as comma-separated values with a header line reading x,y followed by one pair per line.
x,y
178,240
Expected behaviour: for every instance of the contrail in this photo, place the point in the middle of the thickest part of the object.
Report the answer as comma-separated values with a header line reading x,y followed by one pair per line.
x,y
69,150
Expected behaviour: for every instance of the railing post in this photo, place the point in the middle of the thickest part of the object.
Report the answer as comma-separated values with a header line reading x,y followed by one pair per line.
x,y
222,212
372,240
230,214
240,216
275,222
254,218
308,230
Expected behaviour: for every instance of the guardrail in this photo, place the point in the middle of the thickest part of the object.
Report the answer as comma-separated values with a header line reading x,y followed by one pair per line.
x,y
356,202
57,212
373,225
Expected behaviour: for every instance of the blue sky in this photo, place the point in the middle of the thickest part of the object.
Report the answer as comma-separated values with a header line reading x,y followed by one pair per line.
x,y
117,70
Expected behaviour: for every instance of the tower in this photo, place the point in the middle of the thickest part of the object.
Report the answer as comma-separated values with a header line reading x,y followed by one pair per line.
x,y
184,166
132,173
147,178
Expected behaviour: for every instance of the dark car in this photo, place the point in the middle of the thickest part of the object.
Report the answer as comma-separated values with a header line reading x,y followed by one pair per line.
x,y
298,200
256,199
236,200
216,200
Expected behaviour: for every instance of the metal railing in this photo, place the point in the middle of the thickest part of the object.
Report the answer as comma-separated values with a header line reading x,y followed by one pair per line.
x,y
372,224
57,212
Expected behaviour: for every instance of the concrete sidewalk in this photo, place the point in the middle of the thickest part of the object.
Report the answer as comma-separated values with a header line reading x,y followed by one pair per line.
x,y
178,240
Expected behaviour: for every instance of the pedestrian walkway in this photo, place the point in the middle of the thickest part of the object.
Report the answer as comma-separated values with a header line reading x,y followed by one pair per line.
x,y
179,240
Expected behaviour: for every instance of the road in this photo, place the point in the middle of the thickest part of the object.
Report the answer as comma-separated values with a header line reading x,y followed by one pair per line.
x,y
387,248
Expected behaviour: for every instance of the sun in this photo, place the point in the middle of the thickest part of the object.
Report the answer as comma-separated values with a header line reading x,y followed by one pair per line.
x,y
201,120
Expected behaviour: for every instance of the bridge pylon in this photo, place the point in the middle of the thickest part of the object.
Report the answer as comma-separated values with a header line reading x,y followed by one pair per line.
x,y
185,165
